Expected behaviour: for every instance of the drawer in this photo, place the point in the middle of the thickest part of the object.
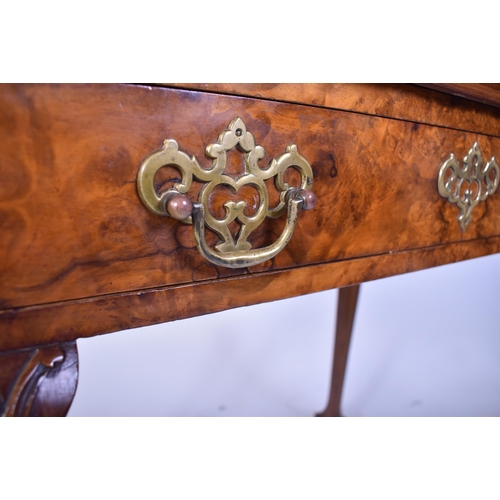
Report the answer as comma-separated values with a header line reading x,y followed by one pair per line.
x,y
73,224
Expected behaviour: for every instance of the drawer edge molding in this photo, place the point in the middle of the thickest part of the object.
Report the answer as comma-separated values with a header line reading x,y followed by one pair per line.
x,y
408,102
67,321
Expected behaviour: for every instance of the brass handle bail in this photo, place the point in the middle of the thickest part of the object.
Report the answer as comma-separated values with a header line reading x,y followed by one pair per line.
x,y
229,252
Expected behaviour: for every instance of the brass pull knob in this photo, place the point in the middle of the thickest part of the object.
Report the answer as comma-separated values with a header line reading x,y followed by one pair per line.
x,y
229,252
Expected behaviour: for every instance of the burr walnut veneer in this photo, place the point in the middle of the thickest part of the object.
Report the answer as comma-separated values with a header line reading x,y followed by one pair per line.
x,y
80,255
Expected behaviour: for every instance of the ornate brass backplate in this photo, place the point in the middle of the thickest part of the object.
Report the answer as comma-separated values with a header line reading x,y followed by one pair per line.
x,y
229,252
468,185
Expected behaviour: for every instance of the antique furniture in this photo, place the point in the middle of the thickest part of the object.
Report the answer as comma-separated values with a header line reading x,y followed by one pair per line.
x,y
129,205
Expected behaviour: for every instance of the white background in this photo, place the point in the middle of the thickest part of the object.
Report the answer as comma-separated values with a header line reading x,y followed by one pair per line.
x,y
425,343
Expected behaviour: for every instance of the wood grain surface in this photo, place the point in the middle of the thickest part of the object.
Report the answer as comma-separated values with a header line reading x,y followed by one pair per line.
x,y
401,101
70,320
73,226
487,93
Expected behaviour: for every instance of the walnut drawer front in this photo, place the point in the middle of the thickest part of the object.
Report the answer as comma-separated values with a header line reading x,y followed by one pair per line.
x,y
73,225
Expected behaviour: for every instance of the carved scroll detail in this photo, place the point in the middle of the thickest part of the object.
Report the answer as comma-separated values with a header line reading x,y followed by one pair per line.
x,y
26,379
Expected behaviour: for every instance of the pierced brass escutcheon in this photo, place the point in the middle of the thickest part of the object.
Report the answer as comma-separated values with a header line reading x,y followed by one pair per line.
x,y
468,185
229,252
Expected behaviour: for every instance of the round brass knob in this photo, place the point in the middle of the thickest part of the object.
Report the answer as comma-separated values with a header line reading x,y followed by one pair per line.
x,y
308,197
179,206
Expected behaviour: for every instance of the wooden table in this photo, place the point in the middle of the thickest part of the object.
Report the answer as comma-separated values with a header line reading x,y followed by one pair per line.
x,y
82,255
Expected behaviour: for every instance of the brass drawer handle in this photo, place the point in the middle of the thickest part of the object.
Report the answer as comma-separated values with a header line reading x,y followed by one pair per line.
x,y
229,252
468,185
